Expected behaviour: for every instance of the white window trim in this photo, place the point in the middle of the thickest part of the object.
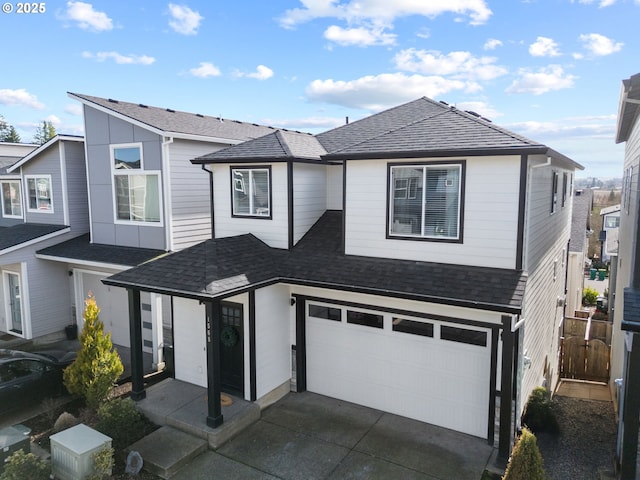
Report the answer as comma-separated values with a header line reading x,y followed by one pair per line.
x,y
12,180
133,172
26,193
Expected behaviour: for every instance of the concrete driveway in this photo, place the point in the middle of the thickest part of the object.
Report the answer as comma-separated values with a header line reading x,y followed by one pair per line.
x,y
309,436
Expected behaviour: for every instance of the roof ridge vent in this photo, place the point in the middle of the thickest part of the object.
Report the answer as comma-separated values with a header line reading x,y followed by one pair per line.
x,y
199,115
112,100
471,112
142,105
170,110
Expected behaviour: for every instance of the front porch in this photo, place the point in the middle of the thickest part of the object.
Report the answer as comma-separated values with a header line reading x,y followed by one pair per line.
x,y
184,406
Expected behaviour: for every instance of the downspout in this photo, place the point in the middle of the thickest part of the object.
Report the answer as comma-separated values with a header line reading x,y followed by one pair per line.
x,y
211,203
166,193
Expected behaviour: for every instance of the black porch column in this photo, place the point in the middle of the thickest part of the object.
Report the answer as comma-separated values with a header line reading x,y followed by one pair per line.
x,y
214,370
631,409
506,389
135,337
301,344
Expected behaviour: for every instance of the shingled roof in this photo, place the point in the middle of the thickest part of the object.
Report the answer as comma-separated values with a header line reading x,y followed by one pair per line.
x,y
420,128
80,249
173,122
26,232
226,266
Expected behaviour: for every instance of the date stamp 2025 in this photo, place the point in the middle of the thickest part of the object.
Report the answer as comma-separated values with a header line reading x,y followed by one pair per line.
x,y
24,7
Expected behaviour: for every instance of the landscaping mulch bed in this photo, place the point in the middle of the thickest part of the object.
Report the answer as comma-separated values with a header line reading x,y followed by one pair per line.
x,y
585,446
42,427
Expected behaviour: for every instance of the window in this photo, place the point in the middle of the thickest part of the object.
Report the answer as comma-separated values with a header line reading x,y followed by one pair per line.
x,y
366,319
611,221
411,326
565,182
251,192
463,335
11,199
426,201
136,191
328,313
39,197
554,192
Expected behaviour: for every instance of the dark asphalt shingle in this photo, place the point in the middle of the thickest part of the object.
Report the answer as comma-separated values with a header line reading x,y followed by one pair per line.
x,y
227,265
79,248
25,232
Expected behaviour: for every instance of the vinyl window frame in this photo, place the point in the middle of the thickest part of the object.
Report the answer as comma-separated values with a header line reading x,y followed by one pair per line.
x,y
18,197
27,194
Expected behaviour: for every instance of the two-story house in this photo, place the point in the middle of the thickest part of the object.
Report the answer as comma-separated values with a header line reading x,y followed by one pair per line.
x,y
412,261
610,223
44,197
10,184
625,345
144,198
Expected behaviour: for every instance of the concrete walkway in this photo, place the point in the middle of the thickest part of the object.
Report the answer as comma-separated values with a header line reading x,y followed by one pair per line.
x,y
309,436
584,389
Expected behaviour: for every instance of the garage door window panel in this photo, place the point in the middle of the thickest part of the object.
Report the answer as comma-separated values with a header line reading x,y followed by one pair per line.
x,y
413,327
463,335
327,313
365,319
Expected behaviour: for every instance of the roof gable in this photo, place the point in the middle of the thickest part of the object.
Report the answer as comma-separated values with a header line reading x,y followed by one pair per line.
x,y
45,146
177,123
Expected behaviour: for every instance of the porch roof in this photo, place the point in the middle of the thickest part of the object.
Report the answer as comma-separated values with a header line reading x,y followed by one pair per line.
x,y
26,233
227,266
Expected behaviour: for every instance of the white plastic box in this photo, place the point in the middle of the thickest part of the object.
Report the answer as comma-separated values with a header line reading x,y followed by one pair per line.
x,y
72,450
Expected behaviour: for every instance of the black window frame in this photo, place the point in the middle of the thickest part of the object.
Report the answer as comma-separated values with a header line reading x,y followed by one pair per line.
x,y
232,184
366,319
330,312
413,327
554,191
463,335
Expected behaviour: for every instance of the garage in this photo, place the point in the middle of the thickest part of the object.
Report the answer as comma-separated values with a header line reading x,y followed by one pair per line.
x,y
433,371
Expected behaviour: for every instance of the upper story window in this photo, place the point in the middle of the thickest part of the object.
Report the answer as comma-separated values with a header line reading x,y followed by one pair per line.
x,y
565,189
426,201
39,196
251,192
611,221
554,192
11,198
136,191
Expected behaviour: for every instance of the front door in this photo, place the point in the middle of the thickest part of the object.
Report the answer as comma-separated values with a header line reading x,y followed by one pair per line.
x,y
15,302
232,348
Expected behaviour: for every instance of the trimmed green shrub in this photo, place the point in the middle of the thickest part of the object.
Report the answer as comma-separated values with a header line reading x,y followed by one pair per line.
x,y
589,296
97,367
539,415
120,420
526,461
102,464
22,465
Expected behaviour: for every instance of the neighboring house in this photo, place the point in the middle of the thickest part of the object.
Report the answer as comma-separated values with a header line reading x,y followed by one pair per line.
x,y
48,202
413,261
145,198
610,221
10,186
578,249
625,353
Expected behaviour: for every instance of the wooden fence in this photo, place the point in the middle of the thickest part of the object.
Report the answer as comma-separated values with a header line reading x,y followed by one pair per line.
x,y
585,349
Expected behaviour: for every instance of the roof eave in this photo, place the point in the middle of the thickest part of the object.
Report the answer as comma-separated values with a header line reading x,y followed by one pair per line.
x,y
279,159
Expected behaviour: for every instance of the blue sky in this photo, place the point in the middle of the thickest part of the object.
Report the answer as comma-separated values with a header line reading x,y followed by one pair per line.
x,y
548,69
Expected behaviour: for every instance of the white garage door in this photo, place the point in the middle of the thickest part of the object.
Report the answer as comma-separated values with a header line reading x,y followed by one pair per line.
x,y
431,371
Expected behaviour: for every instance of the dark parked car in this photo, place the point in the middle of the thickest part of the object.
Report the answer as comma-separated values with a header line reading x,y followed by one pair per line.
x,y
30,377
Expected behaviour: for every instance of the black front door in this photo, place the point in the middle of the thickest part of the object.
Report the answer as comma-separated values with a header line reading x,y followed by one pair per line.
x,y
232,351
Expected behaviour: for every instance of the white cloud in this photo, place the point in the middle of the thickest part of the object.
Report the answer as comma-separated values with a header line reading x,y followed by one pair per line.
x,y
262,73
205,70
119,58
73,109
87,18
20,97
54,120
384,13
492,44
544,47
308,123
457,64
184,20
482,108
544,80
361,36
600,45
601,3
377,92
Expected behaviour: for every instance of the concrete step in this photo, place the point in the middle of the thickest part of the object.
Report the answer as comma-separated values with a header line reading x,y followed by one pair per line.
x,y
167,449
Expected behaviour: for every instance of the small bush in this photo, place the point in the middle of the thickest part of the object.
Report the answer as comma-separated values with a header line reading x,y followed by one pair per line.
x,y
589,296
102,464
539,415
526,461
120,420
64,421
22,465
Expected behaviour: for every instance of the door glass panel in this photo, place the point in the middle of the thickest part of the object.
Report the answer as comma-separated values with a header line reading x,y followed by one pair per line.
x,y
15,305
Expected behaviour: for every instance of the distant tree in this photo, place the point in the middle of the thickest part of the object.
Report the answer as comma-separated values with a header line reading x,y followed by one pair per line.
x,y
10,135
45,132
